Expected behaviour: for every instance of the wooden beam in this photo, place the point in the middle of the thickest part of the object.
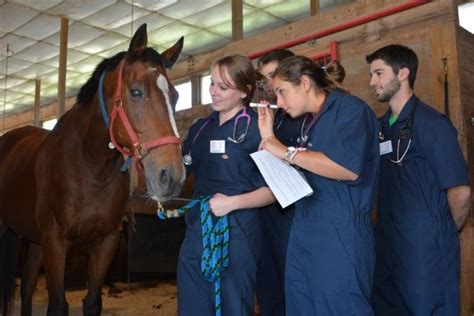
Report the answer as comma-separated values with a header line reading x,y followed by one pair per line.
x,y
196,90
237,20
62,65
314,4
37,102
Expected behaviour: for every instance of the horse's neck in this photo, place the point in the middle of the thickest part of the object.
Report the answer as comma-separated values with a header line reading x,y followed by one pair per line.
x,y
89,135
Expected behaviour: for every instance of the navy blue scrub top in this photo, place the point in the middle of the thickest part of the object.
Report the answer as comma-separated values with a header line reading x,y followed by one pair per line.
x,y
434,163
287,129
232,173
347,133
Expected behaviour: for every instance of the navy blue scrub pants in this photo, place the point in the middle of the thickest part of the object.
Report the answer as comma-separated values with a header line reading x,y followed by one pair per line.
x,y
417,269
196,295
276,227
329,267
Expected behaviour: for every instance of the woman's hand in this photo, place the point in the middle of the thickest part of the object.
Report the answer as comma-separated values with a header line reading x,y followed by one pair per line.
x,y
265,121
221,204
273,145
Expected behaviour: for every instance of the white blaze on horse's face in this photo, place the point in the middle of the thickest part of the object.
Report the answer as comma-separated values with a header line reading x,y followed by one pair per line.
x,y
163,86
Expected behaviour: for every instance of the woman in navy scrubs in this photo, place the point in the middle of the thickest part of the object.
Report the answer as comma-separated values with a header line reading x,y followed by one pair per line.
x,y
217,150
330,256
276,222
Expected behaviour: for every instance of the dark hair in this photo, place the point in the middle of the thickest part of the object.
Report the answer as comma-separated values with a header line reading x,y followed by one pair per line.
x,y
335,70
274,55
242,73
291,70
397,57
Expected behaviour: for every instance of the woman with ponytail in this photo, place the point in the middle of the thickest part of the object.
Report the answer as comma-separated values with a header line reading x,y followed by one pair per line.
x,y
330,256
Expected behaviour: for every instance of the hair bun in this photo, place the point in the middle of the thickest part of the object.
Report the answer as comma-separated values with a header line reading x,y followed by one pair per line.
x,y
335,70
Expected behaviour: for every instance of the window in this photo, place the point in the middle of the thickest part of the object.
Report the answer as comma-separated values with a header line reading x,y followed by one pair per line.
x,y
49,124
185,98
205,83
466,12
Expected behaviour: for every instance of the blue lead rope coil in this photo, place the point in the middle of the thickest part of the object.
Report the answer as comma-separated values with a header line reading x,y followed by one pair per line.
x,y
215,242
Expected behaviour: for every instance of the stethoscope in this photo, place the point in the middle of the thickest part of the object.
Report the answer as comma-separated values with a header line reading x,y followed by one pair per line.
x,y
188,160
241,138
306,130
406,132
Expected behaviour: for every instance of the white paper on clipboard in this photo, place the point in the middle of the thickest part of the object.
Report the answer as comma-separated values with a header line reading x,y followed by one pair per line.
x,y
287,184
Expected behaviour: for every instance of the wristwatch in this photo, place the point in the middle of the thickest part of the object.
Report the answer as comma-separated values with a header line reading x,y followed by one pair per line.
x,y
289,155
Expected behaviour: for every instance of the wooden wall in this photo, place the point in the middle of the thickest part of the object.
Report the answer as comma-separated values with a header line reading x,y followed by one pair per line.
x,y
465,46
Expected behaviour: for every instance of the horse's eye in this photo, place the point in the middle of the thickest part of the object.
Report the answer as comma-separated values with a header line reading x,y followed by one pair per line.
x,y
136,93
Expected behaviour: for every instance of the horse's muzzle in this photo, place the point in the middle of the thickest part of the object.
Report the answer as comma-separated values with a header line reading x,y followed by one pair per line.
x,y
164,181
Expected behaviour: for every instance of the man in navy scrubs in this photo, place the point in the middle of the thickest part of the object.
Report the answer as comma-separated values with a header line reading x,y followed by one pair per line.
x,y
423,198
276,222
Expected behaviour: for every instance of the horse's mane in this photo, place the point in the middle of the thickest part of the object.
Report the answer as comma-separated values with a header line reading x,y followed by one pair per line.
x,y
88,90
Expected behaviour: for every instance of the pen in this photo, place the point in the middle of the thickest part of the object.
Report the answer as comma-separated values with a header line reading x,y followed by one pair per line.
x,y
262,105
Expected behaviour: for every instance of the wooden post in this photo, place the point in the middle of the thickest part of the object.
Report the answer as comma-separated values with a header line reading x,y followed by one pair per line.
x,y
195,90
62,65
37,102
314,7
237,20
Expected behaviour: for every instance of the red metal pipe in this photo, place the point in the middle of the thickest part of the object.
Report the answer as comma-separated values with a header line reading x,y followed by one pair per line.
x,y
343,26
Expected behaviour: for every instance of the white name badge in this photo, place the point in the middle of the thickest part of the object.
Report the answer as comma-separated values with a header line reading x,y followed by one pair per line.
x,y
385,147
217,147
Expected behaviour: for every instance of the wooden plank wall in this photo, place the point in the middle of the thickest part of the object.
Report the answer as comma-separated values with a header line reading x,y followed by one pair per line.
x,y
465,46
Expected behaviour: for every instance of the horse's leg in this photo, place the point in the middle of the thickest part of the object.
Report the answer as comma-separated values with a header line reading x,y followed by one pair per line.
x,y
9,245
55,248
100,257
3,229
29,277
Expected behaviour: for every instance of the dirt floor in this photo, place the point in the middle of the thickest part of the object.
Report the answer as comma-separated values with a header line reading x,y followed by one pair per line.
x,y
151,298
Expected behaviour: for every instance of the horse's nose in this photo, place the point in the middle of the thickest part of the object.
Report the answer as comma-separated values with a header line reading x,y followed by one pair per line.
x,y
165,181
170,179
164,176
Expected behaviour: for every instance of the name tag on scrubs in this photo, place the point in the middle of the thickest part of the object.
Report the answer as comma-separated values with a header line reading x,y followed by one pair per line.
x,y
385,147
217,146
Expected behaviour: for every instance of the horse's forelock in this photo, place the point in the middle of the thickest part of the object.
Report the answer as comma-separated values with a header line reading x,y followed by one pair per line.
x,y
149,55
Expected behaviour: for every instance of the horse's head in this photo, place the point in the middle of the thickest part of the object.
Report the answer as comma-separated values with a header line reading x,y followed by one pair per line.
x,y
142,121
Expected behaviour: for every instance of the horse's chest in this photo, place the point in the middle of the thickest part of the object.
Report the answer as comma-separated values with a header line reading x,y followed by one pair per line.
x,y
97,218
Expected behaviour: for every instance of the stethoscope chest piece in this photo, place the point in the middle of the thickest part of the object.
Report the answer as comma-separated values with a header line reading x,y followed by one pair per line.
x,y
187,159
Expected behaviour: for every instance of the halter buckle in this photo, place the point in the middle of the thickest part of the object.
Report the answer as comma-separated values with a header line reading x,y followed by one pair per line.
x,y
140,150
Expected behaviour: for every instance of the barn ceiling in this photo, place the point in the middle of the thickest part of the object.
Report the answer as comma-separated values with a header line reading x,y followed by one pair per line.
x,y
30,36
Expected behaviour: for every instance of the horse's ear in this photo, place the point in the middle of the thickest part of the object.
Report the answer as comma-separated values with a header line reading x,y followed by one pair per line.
x,y
139,40
172,53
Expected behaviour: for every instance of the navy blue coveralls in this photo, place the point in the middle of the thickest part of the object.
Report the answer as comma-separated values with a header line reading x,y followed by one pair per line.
x,y
417,245
276,226
331,255
231,173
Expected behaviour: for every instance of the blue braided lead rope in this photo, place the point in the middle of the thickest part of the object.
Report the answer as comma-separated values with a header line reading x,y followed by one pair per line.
x,y
165,214
215,243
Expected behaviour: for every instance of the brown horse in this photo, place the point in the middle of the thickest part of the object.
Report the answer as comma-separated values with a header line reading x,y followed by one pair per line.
x,y
66,186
